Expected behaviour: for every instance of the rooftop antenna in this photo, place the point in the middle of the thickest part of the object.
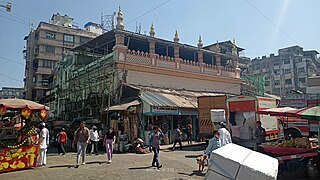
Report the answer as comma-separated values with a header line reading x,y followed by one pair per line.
x,y
139,28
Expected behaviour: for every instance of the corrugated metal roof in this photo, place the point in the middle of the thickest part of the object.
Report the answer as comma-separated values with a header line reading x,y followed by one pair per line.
x,y
157,99
168,100
123,107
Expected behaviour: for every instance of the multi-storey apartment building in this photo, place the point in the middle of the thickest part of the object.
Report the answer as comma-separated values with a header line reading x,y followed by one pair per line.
x,y
44,48
11,92
287,71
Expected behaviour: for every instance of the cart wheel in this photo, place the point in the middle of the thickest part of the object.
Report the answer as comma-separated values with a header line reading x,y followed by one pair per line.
x,y
281,168
293,133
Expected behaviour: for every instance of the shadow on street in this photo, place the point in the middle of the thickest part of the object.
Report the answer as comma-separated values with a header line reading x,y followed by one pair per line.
x,y
145,167
194,173
62,166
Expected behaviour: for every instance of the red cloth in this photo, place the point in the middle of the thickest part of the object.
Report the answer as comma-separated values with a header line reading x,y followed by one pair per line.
x,y
62,137
284,150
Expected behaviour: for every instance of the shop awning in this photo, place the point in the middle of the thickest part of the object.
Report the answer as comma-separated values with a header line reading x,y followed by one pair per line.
x,y
123,107
169,100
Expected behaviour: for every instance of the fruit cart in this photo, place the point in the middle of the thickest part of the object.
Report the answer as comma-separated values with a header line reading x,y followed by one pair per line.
x,y
295,153
18,135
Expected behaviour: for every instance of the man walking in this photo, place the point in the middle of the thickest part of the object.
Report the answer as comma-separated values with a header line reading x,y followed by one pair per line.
x,y
94,139
81,139
62,139
260,134
189,133
225,136
43,144
177,138
214,143
154,145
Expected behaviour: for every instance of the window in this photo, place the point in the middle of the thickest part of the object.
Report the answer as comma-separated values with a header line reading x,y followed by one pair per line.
x,y
301,70
288,81
267,83
276,64
276,82
50,49
276,72
84,39
68,38
51,35
287,71
302,80
49,63
286,61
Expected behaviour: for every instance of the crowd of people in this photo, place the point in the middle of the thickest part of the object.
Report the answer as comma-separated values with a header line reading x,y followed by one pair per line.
x,y
83,137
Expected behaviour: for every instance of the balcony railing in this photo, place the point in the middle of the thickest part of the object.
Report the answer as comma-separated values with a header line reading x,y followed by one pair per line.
x,y
138,57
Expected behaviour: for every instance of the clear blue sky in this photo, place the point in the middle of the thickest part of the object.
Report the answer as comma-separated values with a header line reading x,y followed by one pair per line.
x,y
261,27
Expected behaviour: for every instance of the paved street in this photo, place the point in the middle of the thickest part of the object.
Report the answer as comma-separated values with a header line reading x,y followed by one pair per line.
x,y
176,165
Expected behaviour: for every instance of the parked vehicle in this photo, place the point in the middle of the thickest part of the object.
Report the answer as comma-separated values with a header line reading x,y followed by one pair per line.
x,y
205,106
246,107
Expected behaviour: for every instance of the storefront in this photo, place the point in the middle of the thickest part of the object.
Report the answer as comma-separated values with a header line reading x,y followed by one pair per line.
x,y
167,111
125,119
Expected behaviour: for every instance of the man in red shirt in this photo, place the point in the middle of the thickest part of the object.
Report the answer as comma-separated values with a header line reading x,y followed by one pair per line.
x,y
62,139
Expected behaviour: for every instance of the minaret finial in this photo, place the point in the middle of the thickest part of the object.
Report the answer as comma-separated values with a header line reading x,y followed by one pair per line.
x,y
120,25
200,44
217,46
176,37
152,33
234,47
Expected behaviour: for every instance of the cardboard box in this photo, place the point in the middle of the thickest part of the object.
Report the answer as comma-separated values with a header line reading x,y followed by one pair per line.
x,y
236,162
218,115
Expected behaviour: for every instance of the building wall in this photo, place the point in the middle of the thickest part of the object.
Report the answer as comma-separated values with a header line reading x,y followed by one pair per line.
x,y
45,46
287,71
175,82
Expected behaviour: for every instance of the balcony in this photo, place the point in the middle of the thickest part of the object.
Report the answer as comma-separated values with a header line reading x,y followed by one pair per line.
x,y
44,70
51,56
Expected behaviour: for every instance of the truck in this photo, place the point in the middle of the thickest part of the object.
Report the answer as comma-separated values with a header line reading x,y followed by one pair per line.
x,y
246,107
295,126
206,106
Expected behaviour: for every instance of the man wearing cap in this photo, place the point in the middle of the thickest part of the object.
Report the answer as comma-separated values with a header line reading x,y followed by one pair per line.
x,y
225,136
43,144
94,139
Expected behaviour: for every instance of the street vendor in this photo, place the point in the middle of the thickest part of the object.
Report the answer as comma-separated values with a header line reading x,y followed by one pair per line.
x,y
260,134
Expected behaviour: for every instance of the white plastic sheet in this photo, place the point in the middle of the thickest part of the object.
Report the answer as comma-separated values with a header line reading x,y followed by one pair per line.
x,y
236,162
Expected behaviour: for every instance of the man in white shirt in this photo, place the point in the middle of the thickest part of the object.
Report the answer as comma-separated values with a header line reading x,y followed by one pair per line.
x,y
235,129
225,136
43,144
94,139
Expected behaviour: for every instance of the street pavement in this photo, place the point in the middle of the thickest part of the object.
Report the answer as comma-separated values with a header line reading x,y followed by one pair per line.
x,y
177,165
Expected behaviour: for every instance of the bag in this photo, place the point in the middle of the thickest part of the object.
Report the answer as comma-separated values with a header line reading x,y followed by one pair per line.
x,y
48,138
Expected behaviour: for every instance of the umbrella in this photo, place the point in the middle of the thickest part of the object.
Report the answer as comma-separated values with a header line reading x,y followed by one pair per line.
x,y
312,113
21,103
282,111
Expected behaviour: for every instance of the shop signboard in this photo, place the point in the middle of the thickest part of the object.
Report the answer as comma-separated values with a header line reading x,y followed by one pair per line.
x,y
164,110
295,103
18,158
